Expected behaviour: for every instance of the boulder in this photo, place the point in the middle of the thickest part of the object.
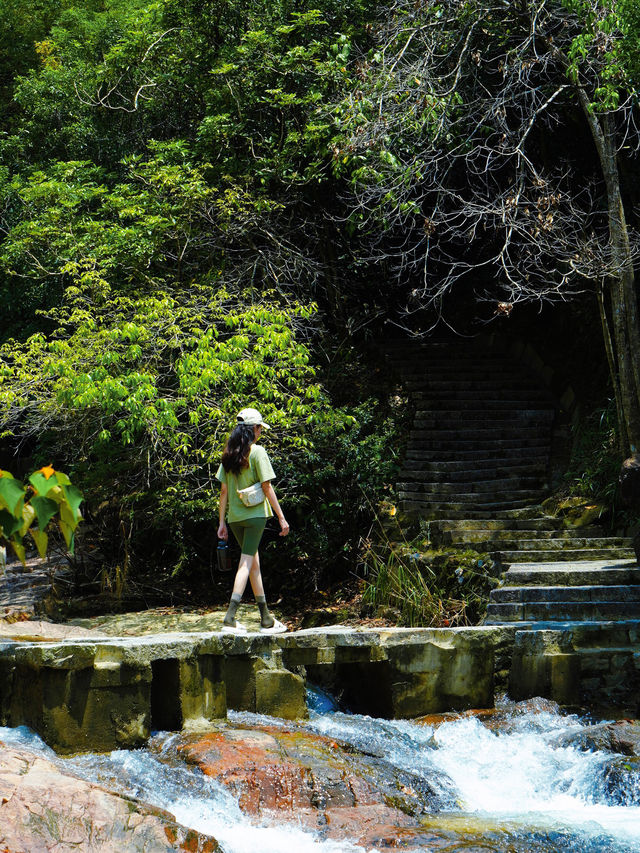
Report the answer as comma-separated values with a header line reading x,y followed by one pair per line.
x,y
312,780
622,737
43,809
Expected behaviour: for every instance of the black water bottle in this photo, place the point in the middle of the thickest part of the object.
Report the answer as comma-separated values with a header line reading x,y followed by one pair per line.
x,y
224,557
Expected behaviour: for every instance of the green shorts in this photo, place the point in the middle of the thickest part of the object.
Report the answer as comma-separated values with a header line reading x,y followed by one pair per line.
x,y
248,532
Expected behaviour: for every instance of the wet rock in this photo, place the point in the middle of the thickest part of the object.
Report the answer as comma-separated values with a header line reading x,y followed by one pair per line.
x,y
43,809
502,718
574,511
620,783
622,736
311,779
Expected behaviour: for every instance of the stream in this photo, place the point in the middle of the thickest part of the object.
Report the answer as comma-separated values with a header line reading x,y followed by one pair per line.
x,y
499,782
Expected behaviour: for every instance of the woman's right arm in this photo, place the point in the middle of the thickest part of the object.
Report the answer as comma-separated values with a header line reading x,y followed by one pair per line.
x,y
223,533
270,495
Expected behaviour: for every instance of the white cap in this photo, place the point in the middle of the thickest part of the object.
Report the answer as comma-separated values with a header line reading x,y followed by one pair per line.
x,y
251,417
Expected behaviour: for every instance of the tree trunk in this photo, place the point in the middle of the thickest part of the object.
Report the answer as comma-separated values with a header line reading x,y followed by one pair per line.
x,y
611,361
625,319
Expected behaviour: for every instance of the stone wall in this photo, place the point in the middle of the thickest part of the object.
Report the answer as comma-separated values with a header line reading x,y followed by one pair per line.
x,y
105,693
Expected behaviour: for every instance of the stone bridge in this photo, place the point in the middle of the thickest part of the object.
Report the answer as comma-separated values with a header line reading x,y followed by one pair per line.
x,y
105,693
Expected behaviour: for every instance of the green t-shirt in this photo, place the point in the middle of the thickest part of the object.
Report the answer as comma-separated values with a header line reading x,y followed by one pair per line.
x,y
259,471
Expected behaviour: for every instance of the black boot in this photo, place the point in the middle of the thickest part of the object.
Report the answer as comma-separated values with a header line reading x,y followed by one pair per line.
x,y
266,619
230,615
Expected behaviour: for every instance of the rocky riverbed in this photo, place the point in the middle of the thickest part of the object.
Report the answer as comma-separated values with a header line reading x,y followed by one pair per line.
x,y
519,778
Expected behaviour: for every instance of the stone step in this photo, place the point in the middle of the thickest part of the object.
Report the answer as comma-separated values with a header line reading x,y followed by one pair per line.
x,y
462,373
466,458
504,426
554,611
506,541
432,474
552,538
431,508
447,395
483,431
464,403
526,594
569,554
465,382
455,469
502,485
527,509
586,572
458,445
546,524
510,415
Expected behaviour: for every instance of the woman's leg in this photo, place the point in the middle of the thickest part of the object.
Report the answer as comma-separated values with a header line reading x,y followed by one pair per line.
x,y
242,574
248,534
255,577
240,580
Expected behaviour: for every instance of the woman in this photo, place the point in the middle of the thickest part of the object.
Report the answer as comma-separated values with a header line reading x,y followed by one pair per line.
x,y
243,464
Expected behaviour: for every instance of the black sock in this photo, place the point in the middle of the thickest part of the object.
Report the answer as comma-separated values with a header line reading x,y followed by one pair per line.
x,y
230,615
266,619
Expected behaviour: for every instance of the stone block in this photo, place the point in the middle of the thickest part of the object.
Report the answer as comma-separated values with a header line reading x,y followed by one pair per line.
x,y
436,676
187,692
240,680
84,709
280,693
202,689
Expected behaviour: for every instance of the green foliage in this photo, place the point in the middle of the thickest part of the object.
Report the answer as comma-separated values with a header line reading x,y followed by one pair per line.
x,y
595,459
48,496
332,489
609,39
141,394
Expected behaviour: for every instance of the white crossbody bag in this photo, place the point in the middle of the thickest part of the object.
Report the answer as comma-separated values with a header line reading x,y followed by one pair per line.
x,y
252,495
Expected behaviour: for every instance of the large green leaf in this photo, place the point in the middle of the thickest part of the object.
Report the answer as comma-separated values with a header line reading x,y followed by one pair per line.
x,y
67,516
74,499
45,510
68,534
19,548
12,491
42,484
41,539
9,524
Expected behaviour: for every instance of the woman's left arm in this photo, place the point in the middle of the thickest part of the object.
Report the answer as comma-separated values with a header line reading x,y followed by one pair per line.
x,y
270,495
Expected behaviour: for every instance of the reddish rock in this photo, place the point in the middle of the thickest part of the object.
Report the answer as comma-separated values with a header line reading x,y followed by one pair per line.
x,y
501,718
311,780
44,809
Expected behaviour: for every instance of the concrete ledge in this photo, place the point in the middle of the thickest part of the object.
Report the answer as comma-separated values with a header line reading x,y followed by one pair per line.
x,y
592,664
106,693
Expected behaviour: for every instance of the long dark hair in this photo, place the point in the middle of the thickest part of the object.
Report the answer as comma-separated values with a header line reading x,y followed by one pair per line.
x,y
235,456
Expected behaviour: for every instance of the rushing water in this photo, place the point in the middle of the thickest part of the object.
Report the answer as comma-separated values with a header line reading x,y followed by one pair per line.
x,y
510,787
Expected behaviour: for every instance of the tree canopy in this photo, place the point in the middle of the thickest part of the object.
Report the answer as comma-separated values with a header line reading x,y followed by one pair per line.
x,y
201,203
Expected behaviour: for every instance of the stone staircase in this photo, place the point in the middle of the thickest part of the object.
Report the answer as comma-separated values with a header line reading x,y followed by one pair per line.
x,y
584,591
531,537
481,435
477,468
